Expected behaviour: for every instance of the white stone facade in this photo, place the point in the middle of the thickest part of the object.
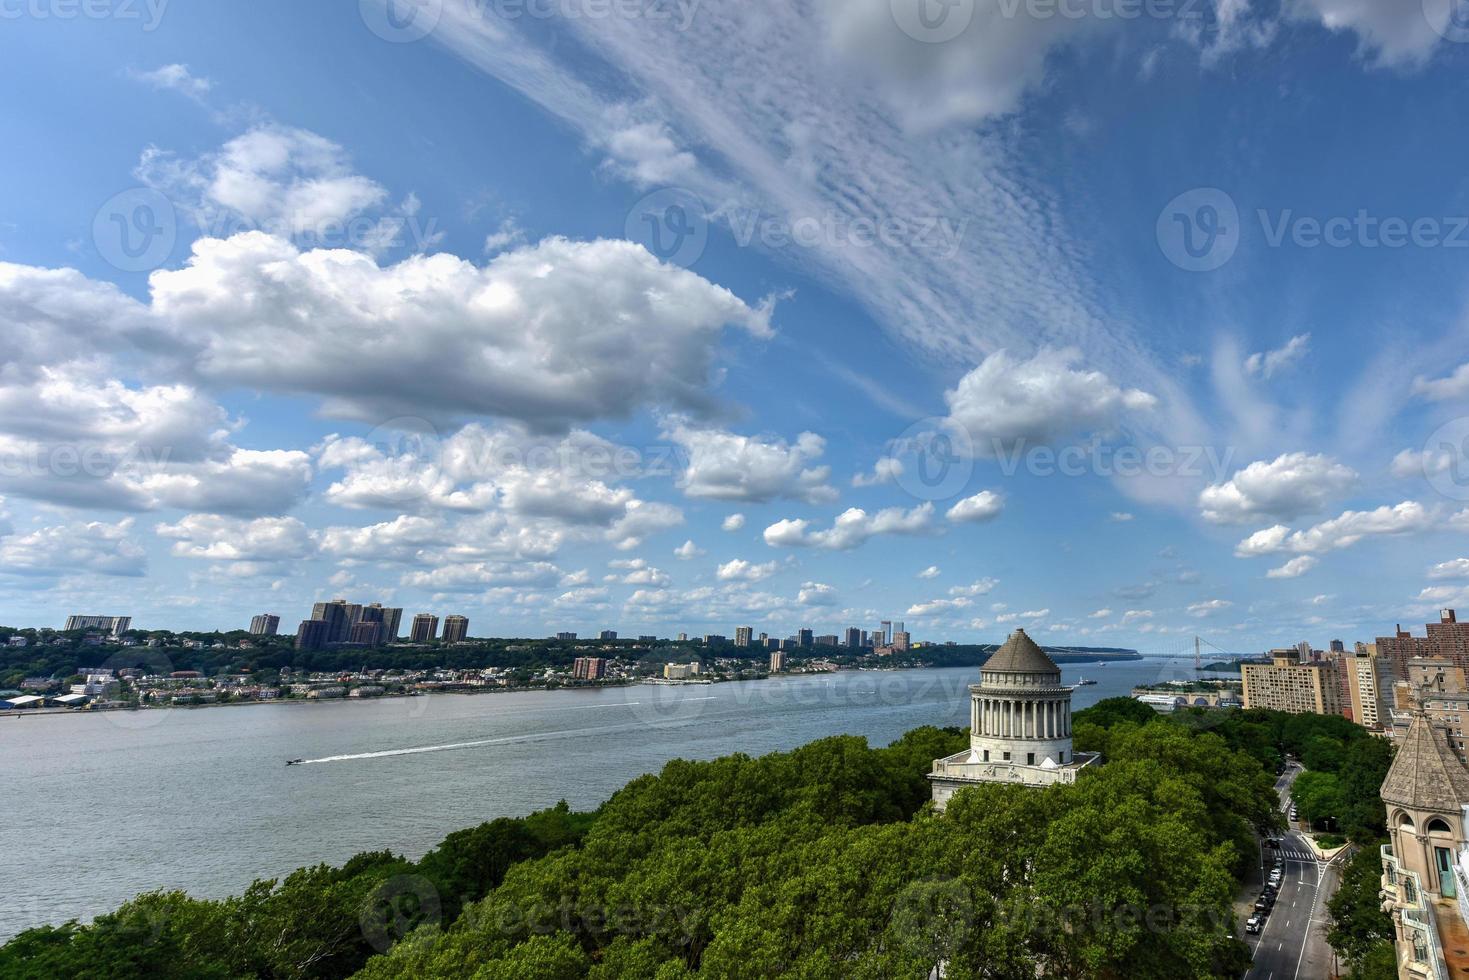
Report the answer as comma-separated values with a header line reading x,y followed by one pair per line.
x,y
1020,726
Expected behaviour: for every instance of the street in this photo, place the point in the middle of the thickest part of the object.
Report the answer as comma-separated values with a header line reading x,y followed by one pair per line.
x,y
1292,945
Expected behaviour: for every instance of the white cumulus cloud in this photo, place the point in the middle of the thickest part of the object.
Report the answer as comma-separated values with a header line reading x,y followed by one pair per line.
x,y
852,528
1291,485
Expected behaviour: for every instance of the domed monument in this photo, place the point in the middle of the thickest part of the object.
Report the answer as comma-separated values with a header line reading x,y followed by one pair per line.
x,y
1019,723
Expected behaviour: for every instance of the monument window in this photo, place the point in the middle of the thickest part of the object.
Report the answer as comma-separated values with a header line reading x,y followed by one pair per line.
x,y
1030,758
1007,756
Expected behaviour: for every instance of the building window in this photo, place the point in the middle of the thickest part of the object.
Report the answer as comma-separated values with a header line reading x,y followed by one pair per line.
x,y
1030,758
986,755
1063,758
1007,756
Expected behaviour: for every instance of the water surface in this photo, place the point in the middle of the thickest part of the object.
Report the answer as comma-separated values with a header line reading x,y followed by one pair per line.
x,y
99,807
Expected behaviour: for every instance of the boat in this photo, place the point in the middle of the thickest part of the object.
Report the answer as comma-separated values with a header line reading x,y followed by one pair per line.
x,y
1084,682
294,762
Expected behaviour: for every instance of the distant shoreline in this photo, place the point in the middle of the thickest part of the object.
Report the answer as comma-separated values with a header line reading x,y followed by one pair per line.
x,y
1059,658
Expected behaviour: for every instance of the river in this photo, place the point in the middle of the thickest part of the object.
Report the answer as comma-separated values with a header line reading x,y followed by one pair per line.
x,y
99,807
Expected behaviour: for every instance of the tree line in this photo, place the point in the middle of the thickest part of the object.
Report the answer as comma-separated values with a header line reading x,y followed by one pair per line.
x,y
826,861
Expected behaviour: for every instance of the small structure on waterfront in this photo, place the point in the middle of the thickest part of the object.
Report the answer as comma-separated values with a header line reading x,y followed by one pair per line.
x,y
1020,725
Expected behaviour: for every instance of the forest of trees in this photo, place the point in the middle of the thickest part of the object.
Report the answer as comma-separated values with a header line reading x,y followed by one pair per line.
x,y
821,862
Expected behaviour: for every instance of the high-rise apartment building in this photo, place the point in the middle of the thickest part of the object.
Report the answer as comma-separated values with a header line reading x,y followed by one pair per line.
x,y
803,638
312,634
1285,684
884,634
1445,704
456,629
777,662
1369,685
265,624
425,627
565,636
1448,639
853,638
901,640
743,635
588,668
1400,648
114,625
390,617
366,632
337,617
608,635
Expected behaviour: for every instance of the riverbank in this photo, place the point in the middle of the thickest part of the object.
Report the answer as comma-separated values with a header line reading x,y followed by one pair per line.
x,y
1099,659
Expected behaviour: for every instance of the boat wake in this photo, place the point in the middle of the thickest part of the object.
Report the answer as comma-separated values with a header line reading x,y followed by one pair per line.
x,y
479,743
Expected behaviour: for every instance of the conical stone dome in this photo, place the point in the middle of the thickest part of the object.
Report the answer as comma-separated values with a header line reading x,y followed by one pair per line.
x,y
1425,774
1020,655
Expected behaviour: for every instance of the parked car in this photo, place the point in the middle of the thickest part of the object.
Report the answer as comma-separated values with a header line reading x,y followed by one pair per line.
x,y
1270,889
1253,924
1272,842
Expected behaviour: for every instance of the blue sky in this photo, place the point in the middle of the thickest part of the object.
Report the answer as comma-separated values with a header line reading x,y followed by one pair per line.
x,y
684,316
